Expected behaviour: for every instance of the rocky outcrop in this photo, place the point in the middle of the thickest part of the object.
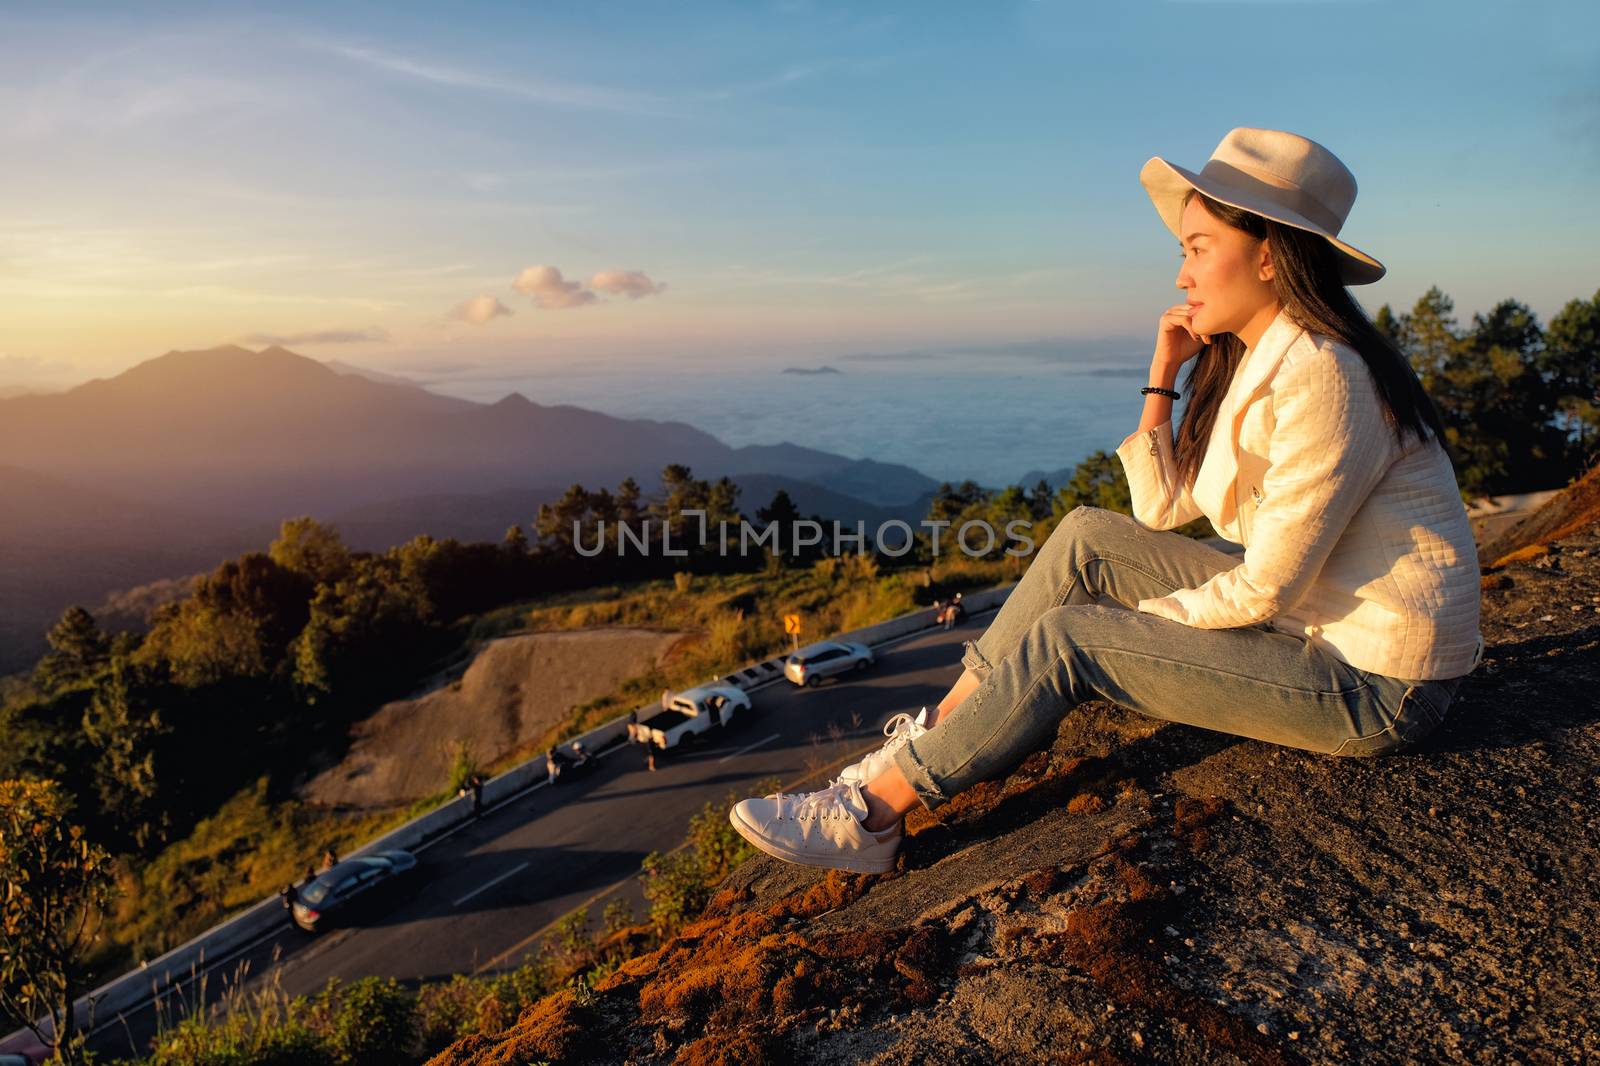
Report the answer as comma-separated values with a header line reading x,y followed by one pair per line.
x,y
1143,892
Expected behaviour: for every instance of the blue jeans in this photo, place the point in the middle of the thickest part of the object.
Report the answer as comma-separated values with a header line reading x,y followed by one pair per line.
x,y
1069,632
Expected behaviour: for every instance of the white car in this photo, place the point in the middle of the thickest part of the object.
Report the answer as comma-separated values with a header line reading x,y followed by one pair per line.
x,y
694,711
811,664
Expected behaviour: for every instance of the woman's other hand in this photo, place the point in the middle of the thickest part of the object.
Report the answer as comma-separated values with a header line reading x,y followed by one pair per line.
x,y
1176,340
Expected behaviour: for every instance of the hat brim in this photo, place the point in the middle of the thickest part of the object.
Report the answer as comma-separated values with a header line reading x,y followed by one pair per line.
x,y
1166,183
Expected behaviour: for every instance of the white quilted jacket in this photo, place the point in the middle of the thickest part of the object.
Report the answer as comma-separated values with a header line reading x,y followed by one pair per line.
x,y
1349,541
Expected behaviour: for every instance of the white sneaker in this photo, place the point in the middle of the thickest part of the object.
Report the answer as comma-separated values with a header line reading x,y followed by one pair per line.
x,y
825,828
901,730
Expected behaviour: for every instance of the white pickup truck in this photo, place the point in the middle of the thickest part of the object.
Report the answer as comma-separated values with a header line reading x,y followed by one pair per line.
x,y
692,712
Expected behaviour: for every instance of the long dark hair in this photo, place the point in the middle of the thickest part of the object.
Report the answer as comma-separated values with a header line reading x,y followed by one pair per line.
x,y
1306,282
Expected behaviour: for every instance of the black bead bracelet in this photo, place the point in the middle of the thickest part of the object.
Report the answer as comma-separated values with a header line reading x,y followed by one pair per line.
x,y
1159,391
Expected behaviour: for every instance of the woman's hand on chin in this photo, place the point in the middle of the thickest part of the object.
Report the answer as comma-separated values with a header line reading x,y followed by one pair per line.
x,y
1176,340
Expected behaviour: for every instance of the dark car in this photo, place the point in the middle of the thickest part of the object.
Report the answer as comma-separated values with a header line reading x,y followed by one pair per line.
x,y
351,888
22,1049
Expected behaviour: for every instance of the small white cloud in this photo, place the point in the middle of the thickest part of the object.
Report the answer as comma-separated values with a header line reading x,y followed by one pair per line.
x,y
321,336
630,283
480,309
549,290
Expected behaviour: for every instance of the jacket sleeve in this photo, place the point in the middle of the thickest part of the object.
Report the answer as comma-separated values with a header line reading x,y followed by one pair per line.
x,y
1159,501
1330,446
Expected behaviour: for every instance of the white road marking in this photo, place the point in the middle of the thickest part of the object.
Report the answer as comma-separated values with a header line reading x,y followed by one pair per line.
x,y
490,884
750,747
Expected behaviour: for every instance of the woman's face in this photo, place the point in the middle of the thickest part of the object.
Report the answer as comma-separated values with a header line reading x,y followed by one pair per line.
x,y
1228,273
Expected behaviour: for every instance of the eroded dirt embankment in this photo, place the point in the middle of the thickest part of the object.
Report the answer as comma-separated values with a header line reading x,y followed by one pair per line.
x,y
515,689
1152,893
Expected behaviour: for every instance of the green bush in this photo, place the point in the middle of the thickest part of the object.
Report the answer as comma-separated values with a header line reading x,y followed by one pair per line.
x,y
463,764
679,884
240,1042
372,1022
447,1011
260,1028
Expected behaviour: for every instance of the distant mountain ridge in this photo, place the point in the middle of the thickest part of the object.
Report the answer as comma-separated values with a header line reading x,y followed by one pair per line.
x,y
193,456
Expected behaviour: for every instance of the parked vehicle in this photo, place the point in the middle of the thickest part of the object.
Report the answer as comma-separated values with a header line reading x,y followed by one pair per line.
x,y
23,1049
561,765
811,664
352,888
693,712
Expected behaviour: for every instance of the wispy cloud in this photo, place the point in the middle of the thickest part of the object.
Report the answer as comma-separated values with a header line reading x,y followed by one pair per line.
x,y
202,294
789,75
322,336
555,93
135,86
584,96
489,181
894,279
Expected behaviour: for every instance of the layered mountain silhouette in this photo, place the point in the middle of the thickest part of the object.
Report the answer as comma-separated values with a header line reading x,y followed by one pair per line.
x,y
195,456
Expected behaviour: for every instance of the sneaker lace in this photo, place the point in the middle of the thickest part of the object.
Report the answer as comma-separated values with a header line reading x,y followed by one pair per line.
x,y
899,730
900,724
822,804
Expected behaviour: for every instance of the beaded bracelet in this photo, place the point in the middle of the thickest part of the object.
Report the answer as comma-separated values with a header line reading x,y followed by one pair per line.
x,y
1159,391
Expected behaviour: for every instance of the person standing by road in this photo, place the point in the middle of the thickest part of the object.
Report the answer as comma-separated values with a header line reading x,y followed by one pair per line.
x,y
641,736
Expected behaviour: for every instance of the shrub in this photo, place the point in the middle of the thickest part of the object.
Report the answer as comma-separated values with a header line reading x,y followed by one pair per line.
x,y
447,1011
679,884
240,1042
372,1022
264,1027
463,764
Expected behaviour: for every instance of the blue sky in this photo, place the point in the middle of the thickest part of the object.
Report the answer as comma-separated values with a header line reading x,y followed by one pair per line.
x,y
738,182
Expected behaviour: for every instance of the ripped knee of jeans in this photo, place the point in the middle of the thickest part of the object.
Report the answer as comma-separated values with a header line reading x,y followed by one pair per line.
x,y
974,660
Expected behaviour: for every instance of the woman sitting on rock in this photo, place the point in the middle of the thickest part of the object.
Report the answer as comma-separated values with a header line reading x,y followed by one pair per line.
x,y
1308,439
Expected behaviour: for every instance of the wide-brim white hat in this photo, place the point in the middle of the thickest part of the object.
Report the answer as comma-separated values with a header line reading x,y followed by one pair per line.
x,y
1277,175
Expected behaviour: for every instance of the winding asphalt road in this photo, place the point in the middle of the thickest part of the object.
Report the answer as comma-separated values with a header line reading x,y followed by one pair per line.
x,y
487,892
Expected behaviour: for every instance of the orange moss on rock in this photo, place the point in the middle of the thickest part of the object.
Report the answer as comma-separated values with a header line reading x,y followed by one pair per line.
x,y
725,901
1521,555
552,1029
725,978
832,892
727,1049
1041,882
1086,803
979,797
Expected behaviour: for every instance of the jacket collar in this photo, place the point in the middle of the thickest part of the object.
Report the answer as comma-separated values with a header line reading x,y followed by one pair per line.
x,y
1258,364
1219,468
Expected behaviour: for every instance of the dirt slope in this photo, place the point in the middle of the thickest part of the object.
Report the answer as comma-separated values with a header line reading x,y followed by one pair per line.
x,y
1154,893
515,689
1574,509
